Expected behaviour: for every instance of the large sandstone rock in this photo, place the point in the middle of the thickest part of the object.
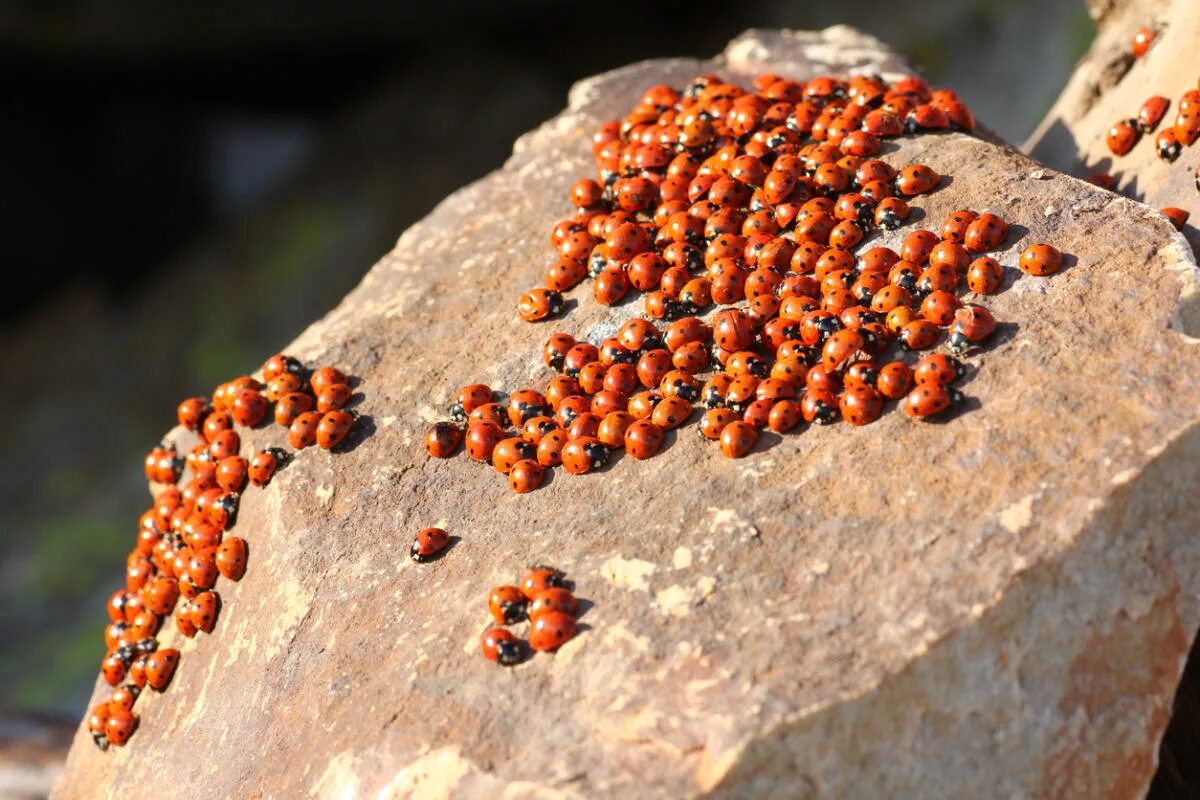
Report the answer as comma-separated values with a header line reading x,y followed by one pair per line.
x,y
995,606
1109,85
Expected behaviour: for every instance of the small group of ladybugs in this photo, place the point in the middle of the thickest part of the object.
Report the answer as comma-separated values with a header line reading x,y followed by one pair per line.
x,y
181,546
542,598
713,196
1183,131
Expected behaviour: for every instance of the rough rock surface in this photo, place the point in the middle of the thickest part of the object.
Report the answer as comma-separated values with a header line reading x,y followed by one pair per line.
x,y
994,606
1109,85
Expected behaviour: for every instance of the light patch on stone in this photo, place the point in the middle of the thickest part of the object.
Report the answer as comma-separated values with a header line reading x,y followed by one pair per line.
x,y
387,422
339,781
628,573
675,600
295,600
728,521
618,638
1017,517
1125,476
324,494
705,588
682,558
433,776
820,568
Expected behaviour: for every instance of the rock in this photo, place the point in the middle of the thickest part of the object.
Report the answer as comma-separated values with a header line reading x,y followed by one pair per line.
x,y
996,606
1109,85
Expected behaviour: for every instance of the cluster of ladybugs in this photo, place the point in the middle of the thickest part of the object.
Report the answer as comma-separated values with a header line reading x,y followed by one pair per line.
x,y
715,195
181,544
544,600
1183,131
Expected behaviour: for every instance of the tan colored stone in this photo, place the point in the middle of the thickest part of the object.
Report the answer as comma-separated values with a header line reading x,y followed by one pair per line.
x,y
998,605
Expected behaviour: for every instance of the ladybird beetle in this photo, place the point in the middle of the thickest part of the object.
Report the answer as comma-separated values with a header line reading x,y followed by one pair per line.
x,y
119,727
509,451
333,397
468,399
232,472
283,384
938,307
507,605
526,475
643,439
1167,145
160,667
891,213
161,594
428,543
954,229
113,670
1177,216
203,612
928,399
554,599
972,324
583,455
1041,260
937,368
231,558
280,364
920,334
303,430
291,406
192,411
819,406
183,620
326,376
499,645
540,578
985,275
332,429
1143,38
1152,112
895,380
737,439
860,405
1122,137
714,421
917,179
551,630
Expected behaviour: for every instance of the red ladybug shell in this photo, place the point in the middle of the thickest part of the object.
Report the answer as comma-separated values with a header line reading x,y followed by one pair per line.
x,y
428,543
332,429
554,599
551,630
120,727
303,430
937,368
1040,260
232,473
248,408
643,439
737,439
291,406
160,667
928,399
231,558
333,397
499,645
192,411
280,364
326,376
1122,136
204,609
526,475
540,578
584,454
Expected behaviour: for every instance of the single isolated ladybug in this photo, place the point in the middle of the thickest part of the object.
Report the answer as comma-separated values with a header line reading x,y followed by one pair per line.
x,y
428,544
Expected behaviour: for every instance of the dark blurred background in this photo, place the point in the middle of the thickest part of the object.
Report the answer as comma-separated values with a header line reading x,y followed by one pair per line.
x,y
184,187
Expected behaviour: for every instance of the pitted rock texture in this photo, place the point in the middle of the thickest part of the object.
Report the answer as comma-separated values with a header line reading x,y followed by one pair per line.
x,y
1109,85
995,606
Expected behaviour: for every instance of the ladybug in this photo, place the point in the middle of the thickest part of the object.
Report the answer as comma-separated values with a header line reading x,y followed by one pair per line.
x,y
1177,216
551,630
284,384
333,397
524,405
920,334
737,439
509,451
917,179
556,349
895,380
428,544
232,472
585,424
160,666
161,594
1143,39
1167,145
202,570
192,411
938,307
611,286
1041,260
891,213
500,646
507,605
326,376
526,475
1152,112
784,415
643,439
291,406
928,399
1187,125
540,578
482,438
972,324
332,429
937,368
119,727
954,229
583,455
223,445
860,405
183,620
554,599
840,349
1122,136
985,275
96,721
468,399
714,421
231,558
986,232
112,669
303,430
819,406
204,609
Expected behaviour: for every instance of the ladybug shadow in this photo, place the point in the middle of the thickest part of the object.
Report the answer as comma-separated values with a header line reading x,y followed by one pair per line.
x,y
766,440
582,607
363,429
549,476
615,456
